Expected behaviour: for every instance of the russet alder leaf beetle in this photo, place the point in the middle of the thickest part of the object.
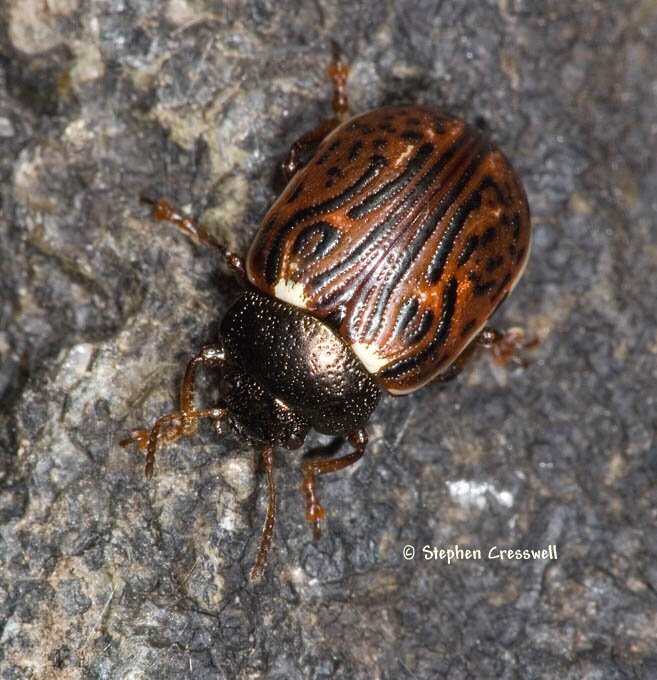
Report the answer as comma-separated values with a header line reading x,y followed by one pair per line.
x,y
375,270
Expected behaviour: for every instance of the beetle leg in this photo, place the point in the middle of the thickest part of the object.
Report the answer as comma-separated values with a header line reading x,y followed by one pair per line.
x,y
184,421
311,468
504,346
268,528
507,346
164,211
301,150
338,72
455,368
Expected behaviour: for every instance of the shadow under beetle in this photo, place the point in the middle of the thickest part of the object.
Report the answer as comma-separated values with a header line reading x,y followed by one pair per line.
x,y
376,269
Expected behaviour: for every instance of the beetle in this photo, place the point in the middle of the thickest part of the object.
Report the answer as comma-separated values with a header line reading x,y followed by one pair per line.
x,y
400,231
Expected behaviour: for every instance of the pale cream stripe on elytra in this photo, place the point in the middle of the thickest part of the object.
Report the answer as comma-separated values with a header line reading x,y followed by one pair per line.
x,y
370,356
291,292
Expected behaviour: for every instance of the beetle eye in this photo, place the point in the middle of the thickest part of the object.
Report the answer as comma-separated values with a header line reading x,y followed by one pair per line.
x,y
294,441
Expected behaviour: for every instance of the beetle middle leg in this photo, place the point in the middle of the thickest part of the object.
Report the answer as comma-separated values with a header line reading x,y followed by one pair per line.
x,y
164,211
183,421
311,468
301,150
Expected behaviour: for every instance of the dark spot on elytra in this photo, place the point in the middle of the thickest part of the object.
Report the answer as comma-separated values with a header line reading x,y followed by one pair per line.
x,y
296,193
334,174
468,249
515,223
481,289
468,327
362,128
323,158
502,285
355,150
492,263
412,135
413,121
520,254
439,125
387,127
380,143
335,145
489,235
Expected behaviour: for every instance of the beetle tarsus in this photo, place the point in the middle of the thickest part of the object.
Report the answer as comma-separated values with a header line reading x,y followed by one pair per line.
x,y
183,422
311,468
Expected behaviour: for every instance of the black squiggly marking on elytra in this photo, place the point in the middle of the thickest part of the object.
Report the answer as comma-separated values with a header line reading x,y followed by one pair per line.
x,y
442,331
387,191
272,262
428,226
468,250
316,240
406,314
379,231
426,321
355,150
446,245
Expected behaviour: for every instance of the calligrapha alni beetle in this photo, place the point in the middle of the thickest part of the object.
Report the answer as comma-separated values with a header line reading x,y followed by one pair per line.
x,y
399,233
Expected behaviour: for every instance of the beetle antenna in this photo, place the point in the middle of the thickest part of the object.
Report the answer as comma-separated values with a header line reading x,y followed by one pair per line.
x,y
162,210
268,529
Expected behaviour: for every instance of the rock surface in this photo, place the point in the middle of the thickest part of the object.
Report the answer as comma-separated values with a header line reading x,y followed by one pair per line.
x,y
106,575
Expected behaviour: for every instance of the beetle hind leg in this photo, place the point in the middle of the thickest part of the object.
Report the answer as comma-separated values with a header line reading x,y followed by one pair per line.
x,y
182,422
311,468
302,149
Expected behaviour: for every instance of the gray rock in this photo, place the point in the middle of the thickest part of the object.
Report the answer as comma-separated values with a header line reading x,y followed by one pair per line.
x,y
106,575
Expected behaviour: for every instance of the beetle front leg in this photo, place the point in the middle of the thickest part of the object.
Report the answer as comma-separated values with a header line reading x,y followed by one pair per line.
x,y
268,528
184,421
311,468
301,150
164,211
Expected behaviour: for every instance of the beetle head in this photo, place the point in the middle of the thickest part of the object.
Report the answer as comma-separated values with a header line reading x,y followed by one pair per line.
x,y
258,415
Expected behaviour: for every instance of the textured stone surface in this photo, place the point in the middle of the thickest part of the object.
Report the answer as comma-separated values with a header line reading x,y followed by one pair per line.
x,y
104,575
